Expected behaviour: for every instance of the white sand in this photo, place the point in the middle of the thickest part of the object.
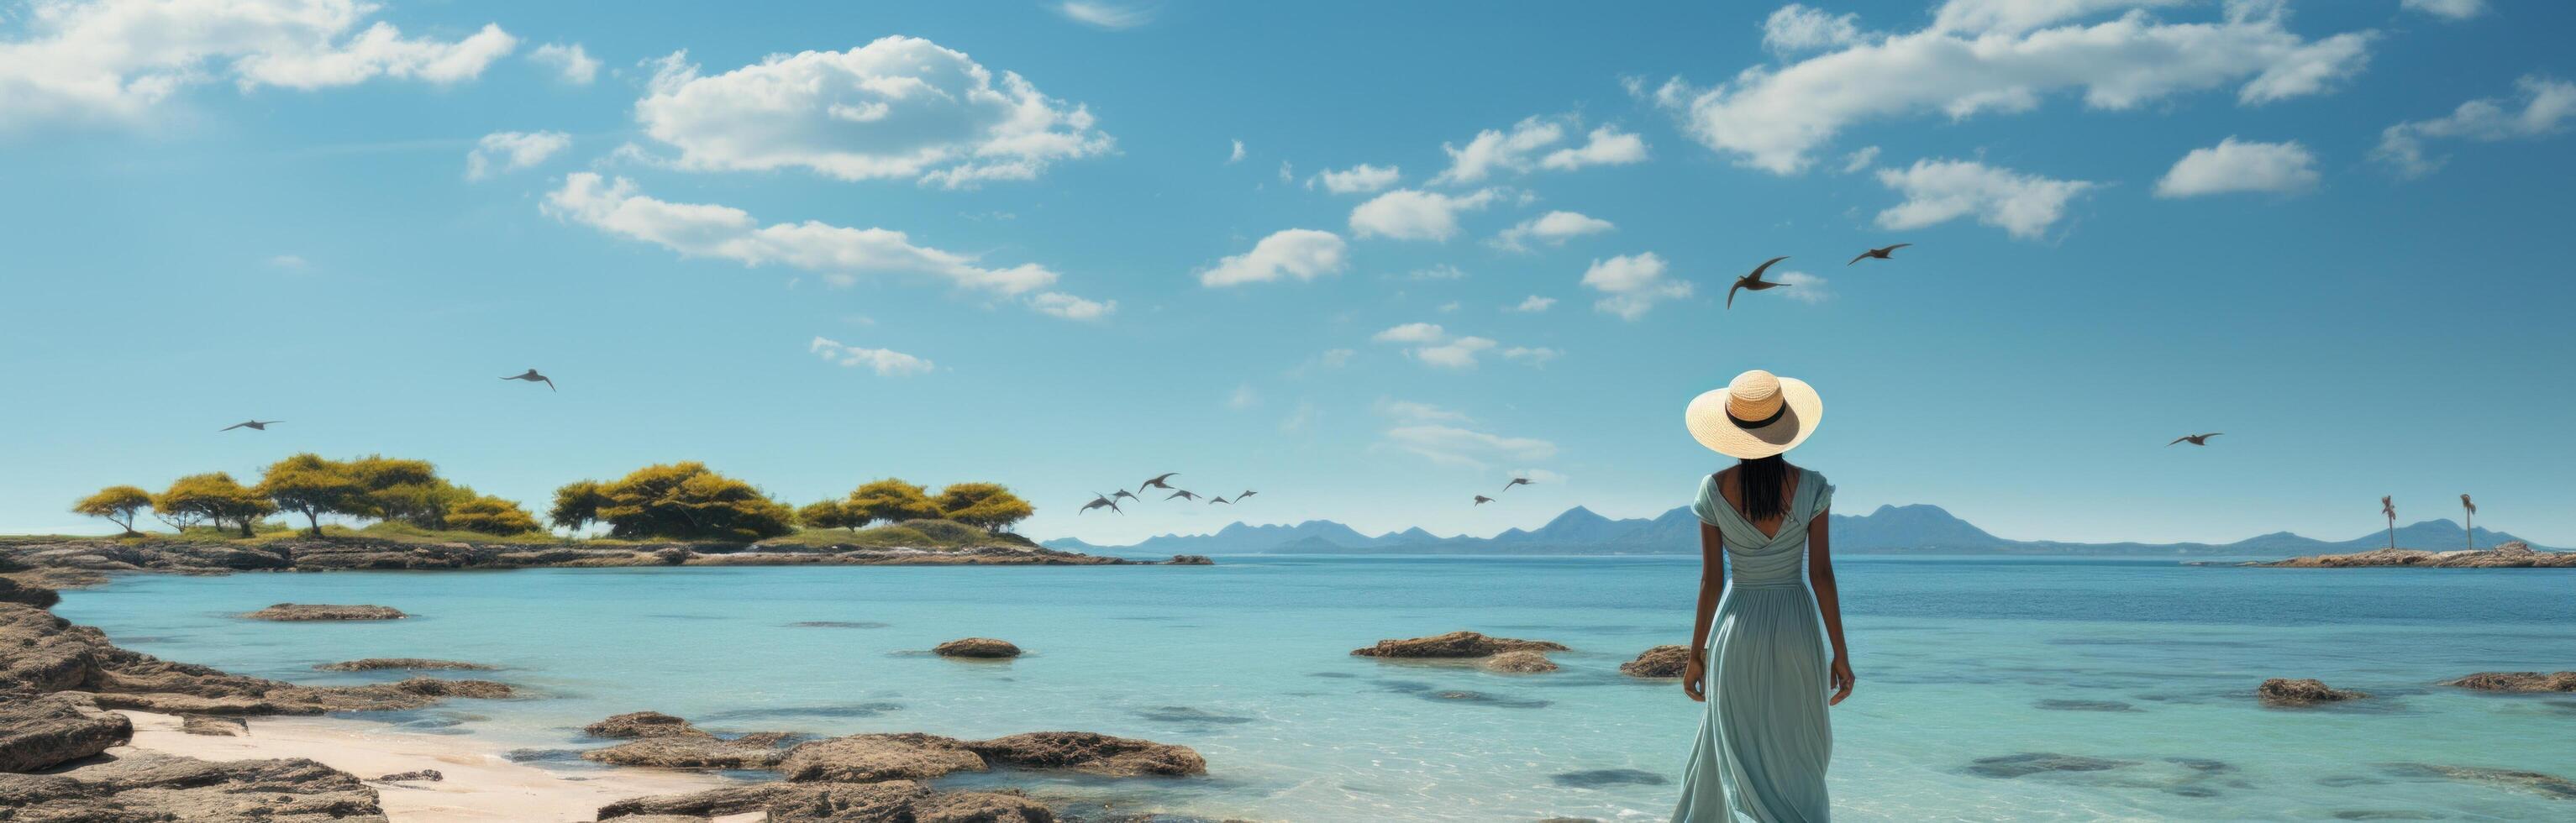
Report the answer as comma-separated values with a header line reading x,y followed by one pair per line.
x,y
480,784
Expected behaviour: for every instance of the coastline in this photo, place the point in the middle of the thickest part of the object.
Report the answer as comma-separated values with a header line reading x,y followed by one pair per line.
x,y
480,784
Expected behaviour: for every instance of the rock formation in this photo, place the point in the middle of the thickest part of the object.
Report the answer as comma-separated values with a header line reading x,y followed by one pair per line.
x,y
406,663
212,726
867,758
1454,645
1520,662
1660,661
292,612
1090,752
2512,554
143,786
977,647
2282,691
641,724
695,751
45,731
2518,682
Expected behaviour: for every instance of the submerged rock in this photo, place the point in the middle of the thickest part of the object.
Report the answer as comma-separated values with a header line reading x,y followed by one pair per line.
x,y
866,758
45,731
2281,691
1188,715
641,724
2549,785
2084,706
143,786
2518,682
1091,752
213,726
977,647
294,612
2018,765
411,663
1601,778
49,654
1521,662
1660,661
1454,645
434,687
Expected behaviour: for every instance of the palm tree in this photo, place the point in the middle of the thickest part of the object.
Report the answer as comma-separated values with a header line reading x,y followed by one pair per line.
x,y
2468,522
2389,507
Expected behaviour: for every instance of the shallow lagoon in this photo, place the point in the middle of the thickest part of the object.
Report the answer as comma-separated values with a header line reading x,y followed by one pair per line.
x,y
2146,666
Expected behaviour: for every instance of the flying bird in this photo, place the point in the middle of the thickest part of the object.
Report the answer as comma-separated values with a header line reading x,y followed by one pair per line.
x,y
533,377
1878,253
1246,493
1215,500
1123,493
1517,481
1754,281
1482,500
1101,502
1157,482
253,425
1183,494
2196,439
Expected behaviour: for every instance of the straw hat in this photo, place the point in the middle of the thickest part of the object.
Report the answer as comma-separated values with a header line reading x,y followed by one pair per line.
x,y
1757,415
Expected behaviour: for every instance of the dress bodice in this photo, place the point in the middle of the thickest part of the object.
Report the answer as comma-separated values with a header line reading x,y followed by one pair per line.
x,y
1754,558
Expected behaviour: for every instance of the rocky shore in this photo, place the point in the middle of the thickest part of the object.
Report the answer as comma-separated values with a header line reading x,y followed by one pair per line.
x,y
2511,555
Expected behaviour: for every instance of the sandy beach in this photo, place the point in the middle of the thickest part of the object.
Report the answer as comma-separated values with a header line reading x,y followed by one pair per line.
x,y
480,784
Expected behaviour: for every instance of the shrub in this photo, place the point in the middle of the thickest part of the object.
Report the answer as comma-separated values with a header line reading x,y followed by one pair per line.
x,y
119,504
987,506
213,498
684,501
889,501
308,485
490,515
829,514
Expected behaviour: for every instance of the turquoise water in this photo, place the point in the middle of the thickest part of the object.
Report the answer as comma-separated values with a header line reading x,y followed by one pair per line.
x,y
2144,662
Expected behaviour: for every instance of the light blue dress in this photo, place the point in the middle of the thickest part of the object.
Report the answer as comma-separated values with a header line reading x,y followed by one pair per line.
x,y
1763,741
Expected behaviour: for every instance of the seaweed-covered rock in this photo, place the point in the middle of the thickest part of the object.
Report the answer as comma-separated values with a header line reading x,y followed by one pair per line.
x,y
865,758
641,724
1090,752
435,687
403,663
1660,661
2518,682
302,612
1455,644
1520,662
684,751
44,731
977,647
2281,691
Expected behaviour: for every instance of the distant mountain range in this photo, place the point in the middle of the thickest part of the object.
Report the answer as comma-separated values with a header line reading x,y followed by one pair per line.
x,y
1915,529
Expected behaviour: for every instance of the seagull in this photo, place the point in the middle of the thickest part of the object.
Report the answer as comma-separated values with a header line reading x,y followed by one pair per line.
x,y
1157,482
2196,439
1098,502
1183,494
1123,493
1517,481
533,377
1482,500
1246,493
1754,281
1878,253
1215,500
253,425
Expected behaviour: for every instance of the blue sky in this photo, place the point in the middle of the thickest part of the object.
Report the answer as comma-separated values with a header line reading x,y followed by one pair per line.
x,y
1020,243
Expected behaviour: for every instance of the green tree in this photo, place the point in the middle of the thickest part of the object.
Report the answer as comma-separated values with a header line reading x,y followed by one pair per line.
x,y
987,506
679,500
406,491
889,501
213,498
577,504
311,486
490,515
828,514
119,504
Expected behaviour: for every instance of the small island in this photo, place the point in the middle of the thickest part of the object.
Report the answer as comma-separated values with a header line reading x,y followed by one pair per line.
x,y
2511,555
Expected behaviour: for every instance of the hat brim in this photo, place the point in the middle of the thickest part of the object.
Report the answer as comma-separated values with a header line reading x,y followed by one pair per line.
x,y
1709,424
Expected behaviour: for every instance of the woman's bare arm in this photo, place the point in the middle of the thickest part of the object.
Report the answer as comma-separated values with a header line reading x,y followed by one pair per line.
x,y
1712,585
1820,574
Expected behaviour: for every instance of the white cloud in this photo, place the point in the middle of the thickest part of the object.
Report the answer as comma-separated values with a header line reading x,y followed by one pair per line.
x,y
1415,412
1287,172
1494,151
511,151
1451,306
1458,353
1938,191
1607,146
1631,284
1552,228
2448,9
1304,254
1359,179
1070,307
2547,103
1534,304
1412,333
2232,166
1994,56
115,60
571,63
886,362
1412,214
1105,15
1242,398
1802,287
899,107
1535,356
1441,271
1799,28
1237,156
842,254
1466,448
1860,160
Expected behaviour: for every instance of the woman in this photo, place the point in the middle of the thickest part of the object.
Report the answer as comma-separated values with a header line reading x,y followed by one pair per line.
x,y
1757,659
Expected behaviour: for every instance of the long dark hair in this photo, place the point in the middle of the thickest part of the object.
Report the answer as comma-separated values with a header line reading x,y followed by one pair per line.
x,y
1759,480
